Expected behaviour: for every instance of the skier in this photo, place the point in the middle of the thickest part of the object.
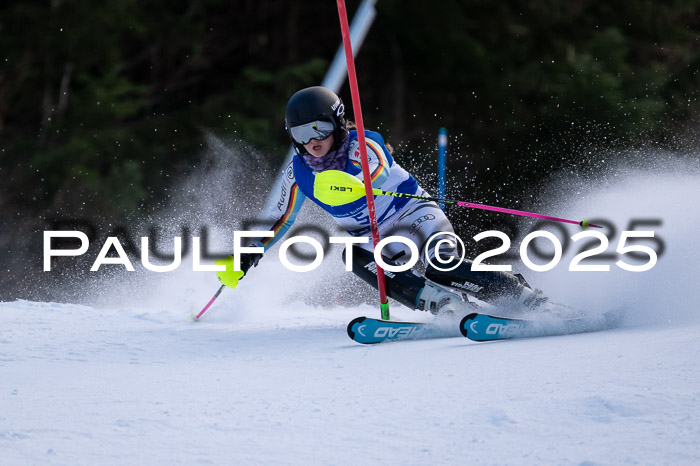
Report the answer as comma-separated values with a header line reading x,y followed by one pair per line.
x,y
324,140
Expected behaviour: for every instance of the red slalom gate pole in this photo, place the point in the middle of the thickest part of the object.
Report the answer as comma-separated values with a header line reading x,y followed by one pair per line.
x,y
357,110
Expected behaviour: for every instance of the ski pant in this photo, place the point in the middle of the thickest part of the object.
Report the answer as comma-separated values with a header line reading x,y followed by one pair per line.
x,y
419,222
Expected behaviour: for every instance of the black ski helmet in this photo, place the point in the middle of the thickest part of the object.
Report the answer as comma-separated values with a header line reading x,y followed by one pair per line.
x,y
315,103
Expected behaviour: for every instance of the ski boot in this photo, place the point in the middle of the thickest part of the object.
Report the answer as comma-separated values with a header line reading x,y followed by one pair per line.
x,y
411,289
442,303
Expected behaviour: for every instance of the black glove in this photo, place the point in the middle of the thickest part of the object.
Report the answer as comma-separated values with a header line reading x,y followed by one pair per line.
x,y
230,277
249,260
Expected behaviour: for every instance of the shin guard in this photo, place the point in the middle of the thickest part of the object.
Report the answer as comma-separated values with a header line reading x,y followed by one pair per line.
x,y
486,286
405,287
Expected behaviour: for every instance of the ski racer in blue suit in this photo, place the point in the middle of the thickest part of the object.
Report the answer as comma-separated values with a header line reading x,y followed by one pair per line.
x,y
315,122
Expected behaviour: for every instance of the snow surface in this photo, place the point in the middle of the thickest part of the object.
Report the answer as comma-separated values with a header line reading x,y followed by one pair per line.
x,y
266,378
86,386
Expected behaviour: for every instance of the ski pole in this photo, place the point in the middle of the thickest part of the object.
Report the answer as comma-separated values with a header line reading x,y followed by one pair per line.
x,y
211,301
228,277
334,187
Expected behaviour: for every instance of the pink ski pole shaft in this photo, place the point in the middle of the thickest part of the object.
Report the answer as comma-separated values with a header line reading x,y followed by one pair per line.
x,y
211,301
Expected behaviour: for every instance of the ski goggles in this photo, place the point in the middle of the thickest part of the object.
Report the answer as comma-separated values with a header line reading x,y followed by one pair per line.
x,y
318,129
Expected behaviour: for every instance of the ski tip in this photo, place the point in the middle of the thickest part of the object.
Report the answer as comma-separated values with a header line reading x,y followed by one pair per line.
x,y
351,326
463,324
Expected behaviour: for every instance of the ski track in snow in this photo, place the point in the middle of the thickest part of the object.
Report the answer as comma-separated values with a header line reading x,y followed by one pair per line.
x,y
265,379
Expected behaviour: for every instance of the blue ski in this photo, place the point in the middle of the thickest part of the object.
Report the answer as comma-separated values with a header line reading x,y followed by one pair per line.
x,y
484,327
368,330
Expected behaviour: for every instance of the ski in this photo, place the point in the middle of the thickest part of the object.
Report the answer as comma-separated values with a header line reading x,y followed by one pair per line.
x,y
484,327
367,330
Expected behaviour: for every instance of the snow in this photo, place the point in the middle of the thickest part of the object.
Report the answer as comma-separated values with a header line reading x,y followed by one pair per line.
x,y
266,378
83,386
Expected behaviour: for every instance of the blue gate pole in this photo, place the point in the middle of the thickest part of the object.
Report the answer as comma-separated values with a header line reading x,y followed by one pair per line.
x,y
442,148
